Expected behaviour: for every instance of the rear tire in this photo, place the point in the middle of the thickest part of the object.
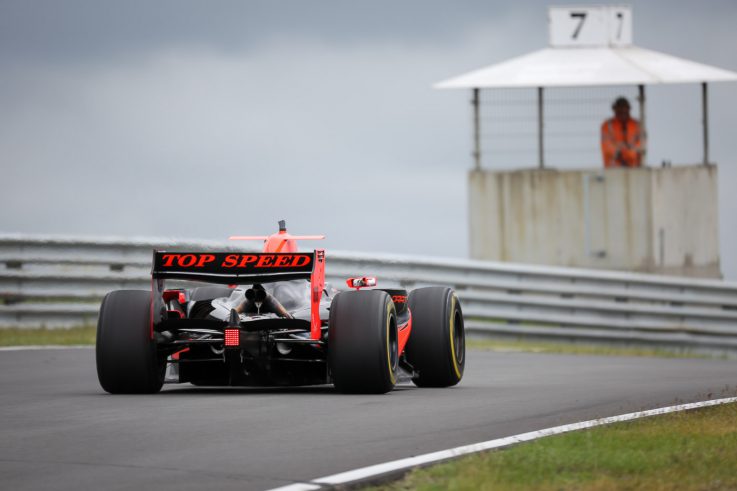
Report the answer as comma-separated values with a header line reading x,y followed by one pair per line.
x,y
363,342
127,362
437,343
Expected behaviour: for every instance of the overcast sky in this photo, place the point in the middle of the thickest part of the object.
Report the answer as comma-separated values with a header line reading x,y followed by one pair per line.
x,y
200,119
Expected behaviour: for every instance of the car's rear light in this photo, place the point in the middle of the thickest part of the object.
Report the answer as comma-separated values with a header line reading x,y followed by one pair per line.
x,y
232,337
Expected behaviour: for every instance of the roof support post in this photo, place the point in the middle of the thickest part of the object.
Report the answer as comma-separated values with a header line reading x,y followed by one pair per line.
x,y
476,130
643,126
540,143
705,120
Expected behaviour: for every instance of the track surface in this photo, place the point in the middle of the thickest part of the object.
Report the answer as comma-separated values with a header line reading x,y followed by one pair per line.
x,y
59,430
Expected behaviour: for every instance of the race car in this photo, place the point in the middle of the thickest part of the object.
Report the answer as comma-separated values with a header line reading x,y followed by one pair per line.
x,y
270,320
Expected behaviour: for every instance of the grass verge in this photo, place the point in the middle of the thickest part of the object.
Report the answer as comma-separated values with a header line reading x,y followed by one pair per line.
x,y
691,450
62,336
580,349
86,335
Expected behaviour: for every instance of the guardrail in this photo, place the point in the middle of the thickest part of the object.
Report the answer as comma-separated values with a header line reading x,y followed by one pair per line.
x,y
58,281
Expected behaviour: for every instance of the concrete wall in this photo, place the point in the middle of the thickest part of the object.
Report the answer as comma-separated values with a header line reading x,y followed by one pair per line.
x,y
660,220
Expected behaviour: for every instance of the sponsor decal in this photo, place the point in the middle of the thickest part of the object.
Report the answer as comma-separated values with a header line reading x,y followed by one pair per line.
x,y
232,263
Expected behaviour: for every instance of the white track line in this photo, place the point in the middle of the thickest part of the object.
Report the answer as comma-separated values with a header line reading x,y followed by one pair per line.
x,y
40,347
374,471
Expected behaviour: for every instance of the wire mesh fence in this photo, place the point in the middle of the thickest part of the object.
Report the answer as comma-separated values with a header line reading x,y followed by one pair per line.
x,y
572,118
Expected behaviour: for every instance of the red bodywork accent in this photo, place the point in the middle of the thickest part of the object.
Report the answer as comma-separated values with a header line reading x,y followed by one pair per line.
x,y
175,356
280,242
170,295
403,333
174,299
317,285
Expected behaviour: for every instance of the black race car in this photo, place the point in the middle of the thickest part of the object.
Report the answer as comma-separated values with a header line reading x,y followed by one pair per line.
x,y
269,320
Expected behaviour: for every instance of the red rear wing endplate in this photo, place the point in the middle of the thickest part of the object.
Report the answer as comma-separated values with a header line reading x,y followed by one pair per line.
x,y
317,285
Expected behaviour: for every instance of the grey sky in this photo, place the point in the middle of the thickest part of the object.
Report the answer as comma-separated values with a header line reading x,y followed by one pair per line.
x,y
125,117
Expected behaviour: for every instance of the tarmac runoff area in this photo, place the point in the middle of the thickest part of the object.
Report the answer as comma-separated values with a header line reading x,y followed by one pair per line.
x,y
59,430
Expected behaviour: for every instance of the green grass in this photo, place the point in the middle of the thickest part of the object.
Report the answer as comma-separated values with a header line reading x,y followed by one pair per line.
x,y
43,336
579,349
86,335
692,450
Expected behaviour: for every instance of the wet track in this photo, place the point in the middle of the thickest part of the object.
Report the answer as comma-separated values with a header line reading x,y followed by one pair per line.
x,y
59,430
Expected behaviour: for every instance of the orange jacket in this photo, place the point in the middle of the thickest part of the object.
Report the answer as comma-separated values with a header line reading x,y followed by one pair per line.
x,y
620,148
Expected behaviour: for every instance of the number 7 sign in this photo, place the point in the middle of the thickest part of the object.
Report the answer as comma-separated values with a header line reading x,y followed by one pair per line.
x,y
590,26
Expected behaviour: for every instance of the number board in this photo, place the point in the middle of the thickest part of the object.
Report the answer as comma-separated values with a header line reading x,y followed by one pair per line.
x,y
590,25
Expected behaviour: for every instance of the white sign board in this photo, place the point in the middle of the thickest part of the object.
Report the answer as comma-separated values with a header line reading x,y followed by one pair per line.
x,y
590,25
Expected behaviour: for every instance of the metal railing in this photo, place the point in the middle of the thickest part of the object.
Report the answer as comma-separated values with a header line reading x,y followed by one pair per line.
x,y
58,281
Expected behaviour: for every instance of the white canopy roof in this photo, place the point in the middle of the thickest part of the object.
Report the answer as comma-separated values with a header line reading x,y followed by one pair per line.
x,y
576,67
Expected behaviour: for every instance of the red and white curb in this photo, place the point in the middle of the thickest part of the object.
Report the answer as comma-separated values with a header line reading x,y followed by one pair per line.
x,y
374,471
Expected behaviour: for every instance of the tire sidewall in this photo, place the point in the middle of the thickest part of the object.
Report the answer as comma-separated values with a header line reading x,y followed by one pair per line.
x,y
363,342
436,347
126,355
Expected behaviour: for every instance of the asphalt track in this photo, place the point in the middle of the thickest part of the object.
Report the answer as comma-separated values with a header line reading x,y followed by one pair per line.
x,y
59,430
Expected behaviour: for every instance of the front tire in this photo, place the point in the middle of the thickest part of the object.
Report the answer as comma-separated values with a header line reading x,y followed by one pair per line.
x,y
363,342
437,343
127,362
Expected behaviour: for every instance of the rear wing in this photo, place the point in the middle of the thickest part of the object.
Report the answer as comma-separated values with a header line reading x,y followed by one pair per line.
x,y
239,268
232,268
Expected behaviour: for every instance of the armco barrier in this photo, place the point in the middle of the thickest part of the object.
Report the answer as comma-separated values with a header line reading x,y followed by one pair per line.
x,y
58,281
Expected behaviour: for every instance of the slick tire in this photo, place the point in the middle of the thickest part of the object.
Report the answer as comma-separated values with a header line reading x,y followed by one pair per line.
x,y
437,344
363,342
127,362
